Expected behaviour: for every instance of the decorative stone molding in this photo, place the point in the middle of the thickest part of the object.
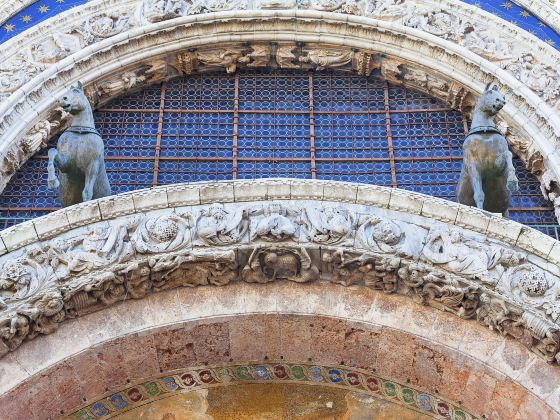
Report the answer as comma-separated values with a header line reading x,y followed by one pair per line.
x,y
357,380
56,270
104,43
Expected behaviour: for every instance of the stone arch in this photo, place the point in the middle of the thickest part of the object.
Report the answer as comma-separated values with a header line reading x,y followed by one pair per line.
x,y
408,54
75,265
377,345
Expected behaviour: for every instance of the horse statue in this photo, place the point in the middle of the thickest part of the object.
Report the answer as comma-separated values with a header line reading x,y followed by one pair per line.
x,y
79,155
488,177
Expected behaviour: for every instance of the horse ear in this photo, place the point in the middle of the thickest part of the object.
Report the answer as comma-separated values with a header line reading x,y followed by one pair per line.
x,y
487,88
495,87
80,86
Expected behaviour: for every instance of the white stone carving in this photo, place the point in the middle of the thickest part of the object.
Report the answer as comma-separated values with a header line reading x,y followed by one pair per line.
x,y
133,256
228,58
217,226
463,255
541,78
163,233
487,44
330,225
391,237
275,222
440,23
160,10
270,264
387,9
277,4
323,58
285,56
104,26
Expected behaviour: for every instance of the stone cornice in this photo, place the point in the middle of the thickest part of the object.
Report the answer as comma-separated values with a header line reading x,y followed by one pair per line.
x,y
455,258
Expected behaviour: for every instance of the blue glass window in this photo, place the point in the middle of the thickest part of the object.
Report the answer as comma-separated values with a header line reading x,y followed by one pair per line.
x,y
274,123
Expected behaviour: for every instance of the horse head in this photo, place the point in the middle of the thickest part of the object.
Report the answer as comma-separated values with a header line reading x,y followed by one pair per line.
x,y
491,101
74,100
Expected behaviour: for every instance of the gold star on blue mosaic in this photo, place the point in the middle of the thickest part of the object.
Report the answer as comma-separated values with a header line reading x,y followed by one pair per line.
x,y
542,25
524,13
550,42
9,27
26,19
477,4
507,5
60,1
43,9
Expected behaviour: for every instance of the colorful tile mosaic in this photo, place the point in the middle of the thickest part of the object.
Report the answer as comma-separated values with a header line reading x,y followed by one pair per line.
x,y
507,10
204,377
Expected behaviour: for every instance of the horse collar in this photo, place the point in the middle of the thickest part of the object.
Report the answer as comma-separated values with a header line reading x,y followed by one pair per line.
x,y
484,129
78,129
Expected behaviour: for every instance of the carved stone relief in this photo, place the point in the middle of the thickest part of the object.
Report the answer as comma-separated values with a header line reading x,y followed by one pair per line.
x,y
131,257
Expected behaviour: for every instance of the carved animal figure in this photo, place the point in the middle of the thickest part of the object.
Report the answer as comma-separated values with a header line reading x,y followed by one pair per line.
x,y
79,154
488,177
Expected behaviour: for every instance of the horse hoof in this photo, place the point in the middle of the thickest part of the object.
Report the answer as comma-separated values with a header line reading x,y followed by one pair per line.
x,y
53,184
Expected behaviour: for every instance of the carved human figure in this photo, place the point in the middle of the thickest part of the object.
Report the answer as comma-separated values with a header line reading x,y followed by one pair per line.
x,y
488,177
387,9
159,10
323,59
329,225
14,279
226,57
285,56
216,226
275,223
540,77
79,155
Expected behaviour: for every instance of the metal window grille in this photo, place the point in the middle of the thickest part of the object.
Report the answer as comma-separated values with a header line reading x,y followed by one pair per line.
x,y
258,124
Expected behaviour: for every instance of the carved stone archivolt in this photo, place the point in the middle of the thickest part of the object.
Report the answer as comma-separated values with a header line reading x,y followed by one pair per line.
x,y
447,267
48,62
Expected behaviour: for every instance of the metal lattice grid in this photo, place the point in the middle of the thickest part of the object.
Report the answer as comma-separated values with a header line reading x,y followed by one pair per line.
x,y
258,124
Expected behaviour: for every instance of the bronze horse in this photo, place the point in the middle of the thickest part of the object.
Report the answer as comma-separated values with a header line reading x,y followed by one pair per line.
x,y
79,155
488,177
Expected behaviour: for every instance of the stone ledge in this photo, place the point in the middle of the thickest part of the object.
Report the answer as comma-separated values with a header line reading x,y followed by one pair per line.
x,y
280,189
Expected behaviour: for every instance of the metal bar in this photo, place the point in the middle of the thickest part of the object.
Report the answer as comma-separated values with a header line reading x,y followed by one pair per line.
x,y
157,150
266,111
235,125
389,135
317,159
311,126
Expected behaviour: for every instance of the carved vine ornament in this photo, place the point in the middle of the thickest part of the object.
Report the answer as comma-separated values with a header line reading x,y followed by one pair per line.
x,y
451,269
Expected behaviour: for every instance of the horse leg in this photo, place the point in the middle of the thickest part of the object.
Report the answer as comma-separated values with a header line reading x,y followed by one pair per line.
x,y
476,182
512,183
54,157
91,175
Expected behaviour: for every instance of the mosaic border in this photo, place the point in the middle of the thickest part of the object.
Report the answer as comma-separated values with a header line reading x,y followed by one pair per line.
x,y
182,380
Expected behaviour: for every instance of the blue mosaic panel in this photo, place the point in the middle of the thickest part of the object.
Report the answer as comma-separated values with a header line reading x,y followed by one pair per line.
x,y
34,14
260,124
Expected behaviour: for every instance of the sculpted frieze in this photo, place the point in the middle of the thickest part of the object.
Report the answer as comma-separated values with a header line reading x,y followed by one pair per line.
x,y
387,9
267,264
275,222
218,226
386,236
131,257
541,78
459,254
154,11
